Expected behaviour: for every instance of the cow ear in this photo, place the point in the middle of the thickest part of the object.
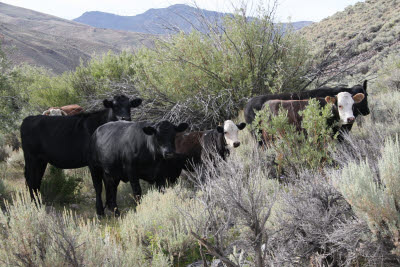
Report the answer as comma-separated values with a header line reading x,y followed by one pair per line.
x,y
149,130
241,126
181,127
107,103
365,85
358,98
220,129
136,102
330,99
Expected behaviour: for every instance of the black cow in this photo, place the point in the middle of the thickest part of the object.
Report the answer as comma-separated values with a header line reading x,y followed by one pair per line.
x,y
130,151
63,141
257,102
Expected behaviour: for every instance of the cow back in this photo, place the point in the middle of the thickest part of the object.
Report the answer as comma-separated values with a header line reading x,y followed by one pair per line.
x,y
257,102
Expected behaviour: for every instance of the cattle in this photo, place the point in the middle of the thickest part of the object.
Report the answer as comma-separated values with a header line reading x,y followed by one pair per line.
x,y
130,151
64,110
342,110
256,103
55,112
194,145
63,141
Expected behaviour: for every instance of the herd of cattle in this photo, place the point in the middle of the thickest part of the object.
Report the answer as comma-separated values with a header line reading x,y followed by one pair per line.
x,y
115,148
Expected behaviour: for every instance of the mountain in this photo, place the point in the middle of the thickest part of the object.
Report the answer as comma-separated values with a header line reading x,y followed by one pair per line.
x,y
58,44
160,20
364,33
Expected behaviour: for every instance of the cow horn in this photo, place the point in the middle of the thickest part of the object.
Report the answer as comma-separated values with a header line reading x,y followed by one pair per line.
x,y
47,112
64,113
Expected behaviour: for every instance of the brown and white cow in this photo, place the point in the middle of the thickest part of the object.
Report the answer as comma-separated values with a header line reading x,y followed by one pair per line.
x,y
342,110
64,110
221,139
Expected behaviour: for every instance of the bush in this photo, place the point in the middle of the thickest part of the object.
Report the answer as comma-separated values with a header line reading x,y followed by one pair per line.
x,y
57,187
309,212
4,153
158,225
298,150
209,76
375,197
237,198
2,189
31,236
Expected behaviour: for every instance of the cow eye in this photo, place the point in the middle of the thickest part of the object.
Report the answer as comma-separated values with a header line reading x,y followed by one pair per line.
x,y
225,132
340,106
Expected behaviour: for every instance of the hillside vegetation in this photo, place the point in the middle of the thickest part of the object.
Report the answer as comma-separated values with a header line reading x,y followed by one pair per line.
x,y
364,33
58,44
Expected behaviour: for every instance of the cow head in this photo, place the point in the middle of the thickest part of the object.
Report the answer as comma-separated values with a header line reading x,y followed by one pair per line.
x,y
362,107
121,106
230,132
164,134
54,112
343,105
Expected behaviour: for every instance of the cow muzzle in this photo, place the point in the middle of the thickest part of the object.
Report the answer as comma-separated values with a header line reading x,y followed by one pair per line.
x,y
123,118
351,120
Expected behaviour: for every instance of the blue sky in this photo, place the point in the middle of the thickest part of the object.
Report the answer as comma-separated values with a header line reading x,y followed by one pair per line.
x,y
296,10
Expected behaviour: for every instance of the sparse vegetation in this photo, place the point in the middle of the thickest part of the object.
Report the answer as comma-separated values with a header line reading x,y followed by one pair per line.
x,y
297,150
57,187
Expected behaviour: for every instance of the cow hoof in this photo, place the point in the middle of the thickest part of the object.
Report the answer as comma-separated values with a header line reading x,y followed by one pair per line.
x,y
116,213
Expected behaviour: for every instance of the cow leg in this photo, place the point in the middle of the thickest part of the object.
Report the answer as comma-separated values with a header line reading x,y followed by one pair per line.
x,y
34,171
136,189
111,194
97,178
161,182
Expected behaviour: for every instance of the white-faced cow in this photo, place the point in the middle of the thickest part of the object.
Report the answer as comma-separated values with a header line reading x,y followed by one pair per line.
x,y
342,110
55,112
64,110
194,145
256,103
130,151
63,141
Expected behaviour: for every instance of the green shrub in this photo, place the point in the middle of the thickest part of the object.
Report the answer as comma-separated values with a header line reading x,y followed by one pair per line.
x,y
57,187
159,226
96,76
296,150
204,72
2,189
32,236
375,195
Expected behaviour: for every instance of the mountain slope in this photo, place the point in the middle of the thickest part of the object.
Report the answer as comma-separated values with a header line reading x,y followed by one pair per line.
x,y
155,21
55,43
369,31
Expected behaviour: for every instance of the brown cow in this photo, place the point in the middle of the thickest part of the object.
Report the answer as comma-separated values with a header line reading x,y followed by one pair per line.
x,y
220,140
342,109
64,110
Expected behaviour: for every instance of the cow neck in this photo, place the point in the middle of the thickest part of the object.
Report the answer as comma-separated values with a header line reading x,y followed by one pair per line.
x,y
97,118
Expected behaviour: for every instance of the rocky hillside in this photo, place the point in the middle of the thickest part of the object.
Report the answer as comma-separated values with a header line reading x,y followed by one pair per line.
x,y
159,21
366,32
55,43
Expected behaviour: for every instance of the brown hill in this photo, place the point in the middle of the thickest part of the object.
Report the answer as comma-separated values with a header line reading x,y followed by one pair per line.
x,y
361,35
55,43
